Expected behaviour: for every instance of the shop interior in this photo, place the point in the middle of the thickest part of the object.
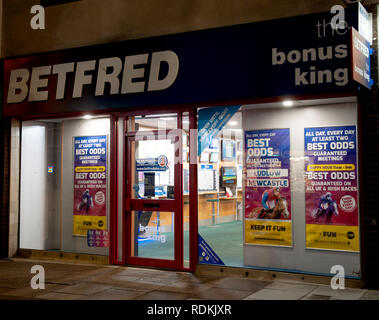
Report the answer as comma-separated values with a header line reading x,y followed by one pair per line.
x,y
46,198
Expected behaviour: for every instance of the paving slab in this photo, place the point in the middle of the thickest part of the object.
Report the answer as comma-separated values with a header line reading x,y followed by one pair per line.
x,y
116,294
221,294
241,284
83,288
278,294
163,295
316,297
28,292
291,285
98,282
345,294
60,296
186,287
15,283
370,295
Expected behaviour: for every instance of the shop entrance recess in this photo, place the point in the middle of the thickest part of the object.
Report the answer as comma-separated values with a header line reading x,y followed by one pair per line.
x,y
160,230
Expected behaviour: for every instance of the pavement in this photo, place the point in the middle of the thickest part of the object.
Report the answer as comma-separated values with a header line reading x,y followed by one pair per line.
x,y
73,281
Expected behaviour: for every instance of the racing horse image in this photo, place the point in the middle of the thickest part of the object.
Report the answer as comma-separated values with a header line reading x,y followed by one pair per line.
x,y
279,210
326,209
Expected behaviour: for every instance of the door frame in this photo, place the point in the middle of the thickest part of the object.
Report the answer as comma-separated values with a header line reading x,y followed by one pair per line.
x,y
116,203
173,205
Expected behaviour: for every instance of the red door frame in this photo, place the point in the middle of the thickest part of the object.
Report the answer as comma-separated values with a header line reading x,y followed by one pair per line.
x,y
193,230
164,205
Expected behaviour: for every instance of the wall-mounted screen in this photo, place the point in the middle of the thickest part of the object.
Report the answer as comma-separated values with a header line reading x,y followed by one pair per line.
x,y
228,176
228,150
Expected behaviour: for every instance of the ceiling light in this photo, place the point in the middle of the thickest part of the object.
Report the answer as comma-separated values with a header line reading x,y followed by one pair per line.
x,y
87,117
288,103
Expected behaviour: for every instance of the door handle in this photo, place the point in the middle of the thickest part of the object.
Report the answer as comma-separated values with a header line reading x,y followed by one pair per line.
x,y
151,205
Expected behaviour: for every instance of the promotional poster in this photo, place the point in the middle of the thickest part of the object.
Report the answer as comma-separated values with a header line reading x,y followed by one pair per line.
x,y
331,194
90,184
98,238
267,189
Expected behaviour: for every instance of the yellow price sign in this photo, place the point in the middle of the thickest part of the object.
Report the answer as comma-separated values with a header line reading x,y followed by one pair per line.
x,y
331,167
90,169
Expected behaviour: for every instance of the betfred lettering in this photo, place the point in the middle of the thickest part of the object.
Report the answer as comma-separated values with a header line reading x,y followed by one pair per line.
x,y
121,77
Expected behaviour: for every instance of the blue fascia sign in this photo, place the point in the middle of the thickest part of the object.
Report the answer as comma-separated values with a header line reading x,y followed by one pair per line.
x,y
293,56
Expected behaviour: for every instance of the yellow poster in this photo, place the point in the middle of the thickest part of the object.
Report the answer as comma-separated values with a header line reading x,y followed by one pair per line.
x,y
268,232
84,223
332,237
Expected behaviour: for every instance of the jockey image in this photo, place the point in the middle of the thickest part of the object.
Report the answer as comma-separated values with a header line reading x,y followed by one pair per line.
x,y
326,208
86,201
269,199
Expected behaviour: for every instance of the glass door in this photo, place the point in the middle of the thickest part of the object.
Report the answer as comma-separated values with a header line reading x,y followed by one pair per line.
x,y
153,198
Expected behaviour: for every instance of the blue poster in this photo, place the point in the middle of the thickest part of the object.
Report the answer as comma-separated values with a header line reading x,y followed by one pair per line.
x,y
210,123
152,164
206,254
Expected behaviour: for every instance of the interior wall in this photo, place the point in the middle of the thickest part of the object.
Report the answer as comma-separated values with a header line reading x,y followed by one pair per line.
x,y
39,190
71,129
298,257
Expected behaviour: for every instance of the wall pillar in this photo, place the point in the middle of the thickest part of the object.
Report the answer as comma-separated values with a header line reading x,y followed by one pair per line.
x,y
4,186
369,140
14,187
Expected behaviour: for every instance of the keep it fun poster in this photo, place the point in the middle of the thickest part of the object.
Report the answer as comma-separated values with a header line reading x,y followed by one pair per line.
x,y
267,189
331,194
90,184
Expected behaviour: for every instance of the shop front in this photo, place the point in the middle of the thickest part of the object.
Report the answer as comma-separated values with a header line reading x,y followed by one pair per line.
x,y
236,146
